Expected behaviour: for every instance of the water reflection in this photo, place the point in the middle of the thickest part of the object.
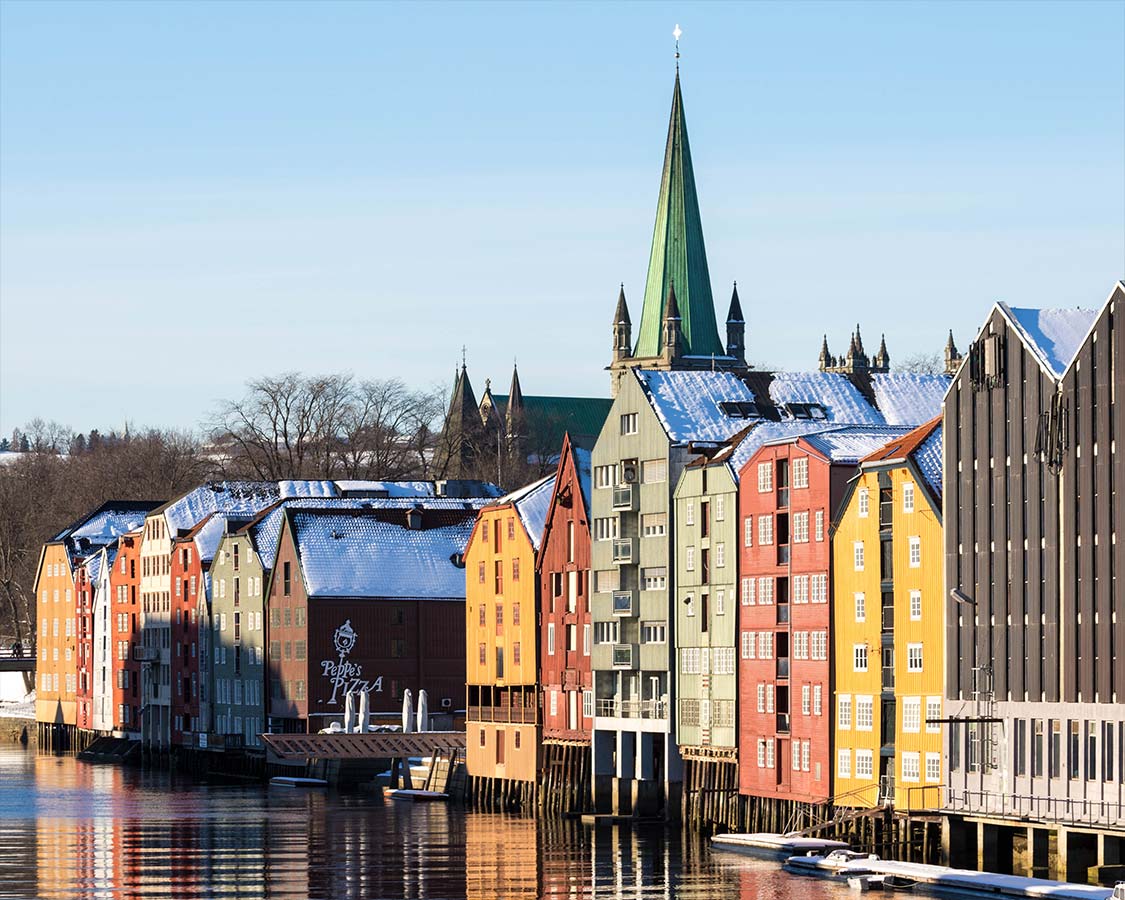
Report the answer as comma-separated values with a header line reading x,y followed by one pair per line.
x,y
72,830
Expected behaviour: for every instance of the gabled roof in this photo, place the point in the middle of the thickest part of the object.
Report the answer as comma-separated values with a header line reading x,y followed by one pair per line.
x,y
103,526
358,554
1052,336
547,419
848,445
687,403
908,398
238,498
922,447
762,433
841,401
531,503
678,255
928,459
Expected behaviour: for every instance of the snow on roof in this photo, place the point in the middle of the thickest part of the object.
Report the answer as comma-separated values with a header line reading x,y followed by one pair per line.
x,y
850,444
928,459
345,555
93,567
584,468
1052,335
208,536
389,488
842,402
906,398
237,498
532,503
291,489
107,525
687,403
766,432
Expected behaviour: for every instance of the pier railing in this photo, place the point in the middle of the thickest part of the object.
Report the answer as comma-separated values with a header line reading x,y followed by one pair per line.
x,y
516,714
1066,810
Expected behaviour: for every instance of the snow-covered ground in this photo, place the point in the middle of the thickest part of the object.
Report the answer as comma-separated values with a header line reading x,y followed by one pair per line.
x,y
18,709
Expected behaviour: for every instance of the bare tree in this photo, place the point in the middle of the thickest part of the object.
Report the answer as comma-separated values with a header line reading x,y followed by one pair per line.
x,y
922,364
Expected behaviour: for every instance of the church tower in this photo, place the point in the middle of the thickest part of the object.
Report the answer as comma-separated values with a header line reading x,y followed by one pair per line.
x,y
677,257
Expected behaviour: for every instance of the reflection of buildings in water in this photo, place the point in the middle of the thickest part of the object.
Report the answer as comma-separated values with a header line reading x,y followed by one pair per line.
x,y
501,857
564,859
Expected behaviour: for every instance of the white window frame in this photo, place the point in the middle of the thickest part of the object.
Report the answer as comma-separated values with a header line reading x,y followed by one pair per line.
x,y
908,497
933,711
843,763
859,657
911,715
915,606
915,552
857,555
911,767
860,606
864,503
914,658
765,477
800,472
765,530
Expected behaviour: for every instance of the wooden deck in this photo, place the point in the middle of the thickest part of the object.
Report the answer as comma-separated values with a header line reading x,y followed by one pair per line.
x,y
383,745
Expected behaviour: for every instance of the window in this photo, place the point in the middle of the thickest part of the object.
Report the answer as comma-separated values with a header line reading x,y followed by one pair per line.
x,y
720,555
516,653
551,638
511,528
806,699
864,713
720,508
572,638
796,756
689,559
1091,751
844,764
689,602
912,715
913,657
689,512
515,570
908,497
720,603
915,606
748,646
765,529
800,472
910,767
933,767
652,525
765,477
765,590
819,592
859,658
915,552
864,503
588,704
933,714
654,471
629,423
819,524
748,531
586,639
801,527
769,754
857,555
655,578
765,645
864,763
817,700
1037,748
819,640
654,633
605,529
860,607
604,477
1054,749
761,753
748,585
604,632
499,662
800,645
285,579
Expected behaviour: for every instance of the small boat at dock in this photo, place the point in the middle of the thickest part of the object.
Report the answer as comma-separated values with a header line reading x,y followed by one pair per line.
x,y
294,782
840,863
893,883
417,796
866,882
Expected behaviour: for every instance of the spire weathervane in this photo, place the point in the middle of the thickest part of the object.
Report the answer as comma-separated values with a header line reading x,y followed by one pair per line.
x,y
676,34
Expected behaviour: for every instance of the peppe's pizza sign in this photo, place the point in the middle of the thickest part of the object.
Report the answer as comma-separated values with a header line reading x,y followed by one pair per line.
x,y
343,674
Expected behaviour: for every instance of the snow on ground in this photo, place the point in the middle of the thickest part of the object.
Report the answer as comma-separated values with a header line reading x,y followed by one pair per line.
x,y
18,709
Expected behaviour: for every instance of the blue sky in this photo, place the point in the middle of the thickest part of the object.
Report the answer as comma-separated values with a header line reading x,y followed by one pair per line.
x,y
192,195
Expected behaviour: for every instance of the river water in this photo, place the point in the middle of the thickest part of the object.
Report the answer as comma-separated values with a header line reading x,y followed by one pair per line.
x,y
73,829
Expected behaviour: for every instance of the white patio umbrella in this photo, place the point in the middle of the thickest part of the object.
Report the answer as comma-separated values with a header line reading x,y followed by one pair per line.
x,y
349,712
364,712
407,712
423,711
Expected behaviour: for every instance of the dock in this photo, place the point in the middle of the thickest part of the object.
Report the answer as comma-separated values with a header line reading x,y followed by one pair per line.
x,y
774,846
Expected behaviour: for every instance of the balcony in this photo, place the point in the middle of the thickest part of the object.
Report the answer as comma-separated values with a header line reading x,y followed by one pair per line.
x,y
632,709
145,654
503,712
783,667
783,723
624,603
625,498
622,656
625,551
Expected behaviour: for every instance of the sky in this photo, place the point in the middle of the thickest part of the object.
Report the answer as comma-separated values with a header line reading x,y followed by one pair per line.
x,y
196,194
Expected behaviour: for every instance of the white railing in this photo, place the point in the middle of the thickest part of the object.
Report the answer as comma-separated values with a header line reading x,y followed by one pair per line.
x,y
632,709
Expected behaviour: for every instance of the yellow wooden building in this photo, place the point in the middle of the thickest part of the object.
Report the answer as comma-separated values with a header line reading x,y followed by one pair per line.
x,y
888,627
503,724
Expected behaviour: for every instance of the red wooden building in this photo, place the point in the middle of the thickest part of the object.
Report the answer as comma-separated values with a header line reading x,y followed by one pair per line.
x,y
367,599
124,633
565,637
84,646
788,492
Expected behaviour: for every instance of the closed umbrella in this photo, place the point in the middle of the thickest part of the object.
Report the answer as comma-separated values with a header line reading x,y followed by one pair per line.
x,y
349,712
423,711
364,712
407,712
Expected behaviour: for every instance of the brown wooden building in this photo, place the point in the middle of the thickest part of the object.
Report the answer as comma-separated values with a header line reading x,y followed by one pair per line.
x,y
367,599
1035,618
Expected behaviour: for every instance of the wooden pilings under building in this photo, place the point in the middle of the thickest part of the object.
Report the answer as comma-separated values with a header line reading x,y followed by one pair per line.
x,y
566,777
710,792
502,795
55,737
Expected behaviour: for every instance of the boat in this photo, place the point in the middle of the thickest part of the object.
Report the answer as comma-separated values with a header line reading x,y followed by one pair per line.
x,y
1118,891
836,863
866,882
892,883
407,794
773,845
294,782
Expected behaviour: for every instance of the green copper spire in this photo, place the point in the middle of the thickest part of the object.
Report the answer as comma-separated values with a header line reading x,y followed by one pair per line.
x,y
678,255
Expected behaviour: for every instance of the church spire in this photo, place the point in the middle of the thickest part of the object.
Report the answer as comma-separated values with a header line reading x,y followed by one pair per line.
x,y
736,328
622,329
678,253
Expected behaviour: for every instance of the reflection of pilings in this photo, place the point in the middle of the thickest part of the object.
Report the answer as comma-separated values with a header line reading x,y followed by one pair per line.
x,y
503,794
566,778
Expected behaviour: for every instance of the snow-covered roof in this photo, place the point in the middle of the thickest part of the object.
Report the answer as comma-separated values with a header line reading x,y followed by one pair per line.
x,y
928,459
292,489
850,444
584,468
687,403
388,488
906,398
348,555
107,525
93,567
237,498
841,401
208,536
768,432
1053,336
532,502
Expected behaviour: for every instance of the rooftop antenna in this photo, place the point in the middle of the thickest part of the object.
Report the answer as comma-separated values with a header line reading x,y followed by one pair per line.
x,y
676,34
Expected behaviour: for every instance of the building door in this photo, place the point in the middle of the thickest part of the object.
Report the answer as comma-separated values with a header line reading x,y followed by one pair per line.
x,y
499,746
572,711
